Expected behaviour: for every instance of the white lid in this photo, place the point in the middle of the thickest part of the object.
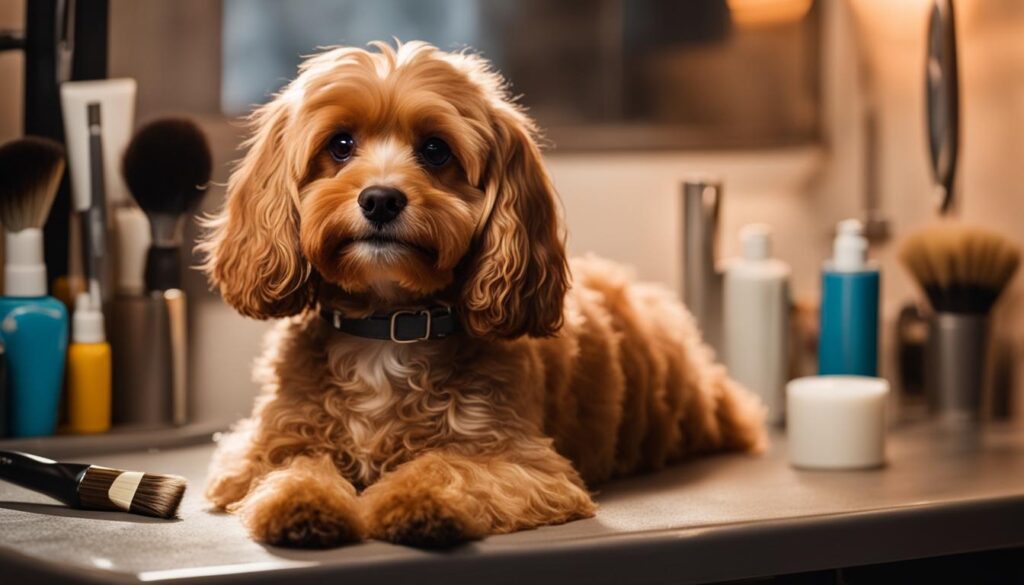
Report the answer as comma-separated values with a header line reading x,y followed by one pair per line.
x,y
24,269
87,321
756,239
850,249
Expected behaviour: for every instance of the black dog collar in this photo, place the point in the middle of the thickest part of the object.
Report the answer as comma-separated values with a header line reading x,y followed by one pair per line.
x,y
405,326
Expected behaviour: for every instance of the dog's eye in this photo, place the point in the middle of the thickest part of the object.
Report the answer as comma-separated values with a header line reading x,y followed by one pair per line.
x,y
435,152
341,146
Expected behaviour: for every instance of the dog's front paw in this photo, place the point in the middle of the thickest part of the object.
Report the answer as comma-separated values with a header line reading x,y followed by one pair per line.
x,y
291,511
422,517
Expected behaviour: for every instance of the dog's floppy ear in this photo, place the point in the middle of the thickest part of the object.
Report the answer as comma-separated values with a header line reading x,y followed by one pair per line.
x,y
252,249
517,278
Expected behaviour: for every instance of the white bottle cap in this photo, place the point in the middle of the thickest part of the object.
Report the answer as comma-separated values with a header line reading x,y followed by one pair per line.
x,y
756,239
24,270
850,250
87,321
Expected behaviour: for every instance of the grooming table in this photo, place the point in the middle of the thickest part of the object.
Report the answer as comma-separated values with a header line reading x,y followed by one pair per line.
x,y
715,519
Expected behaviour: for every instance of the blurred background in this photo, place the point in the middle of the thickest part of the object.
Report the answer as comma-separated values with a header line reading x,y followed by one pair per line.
x,y
810,111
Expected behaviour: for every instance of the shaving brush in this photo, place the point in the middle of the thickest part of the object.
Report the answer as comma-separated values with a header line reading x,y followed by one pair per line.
x,y
167,168
963,270
30,172
31,168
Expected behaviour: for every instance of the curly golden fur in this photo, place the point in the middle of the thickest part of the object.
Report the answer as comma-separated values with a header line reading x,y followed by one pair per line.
x,y
547,389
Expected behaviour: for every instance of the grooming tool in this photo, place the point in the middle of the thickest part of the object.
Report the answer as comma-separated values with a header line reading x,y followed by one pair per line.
x,y
167,167
702,282
98,117
94,224
91,487
89,373
848,342
963,270
942,98
836,422
755,320
33,326
65,39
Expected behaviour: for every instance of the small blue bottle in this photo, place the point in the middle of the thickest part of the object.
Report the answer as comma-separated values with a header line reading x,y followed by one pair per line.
x,y
848,342
34,331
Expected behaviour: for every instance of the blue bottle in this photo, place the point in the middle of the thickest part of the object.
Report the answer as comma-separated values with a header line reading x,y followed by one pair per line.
x,y
848,342
34,331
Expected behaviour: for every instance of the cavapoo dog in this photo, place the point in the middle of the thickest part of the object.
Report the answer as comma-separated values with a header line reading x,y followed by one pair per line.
x,y
443,372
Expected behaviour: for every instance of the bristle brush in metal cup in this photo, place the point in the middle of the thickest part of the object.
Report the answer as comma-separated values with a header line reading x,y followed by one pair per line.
x,y
963,270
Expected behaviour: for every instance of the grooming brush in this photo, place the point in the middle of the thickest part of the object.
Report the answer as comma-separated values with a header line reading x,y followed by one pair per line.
x,y
167,168
962,270
91,487
31,168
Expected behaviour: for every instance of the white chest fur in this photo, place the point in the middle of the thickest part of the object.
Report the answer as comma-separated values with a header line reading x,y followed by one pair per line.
x,y
386,402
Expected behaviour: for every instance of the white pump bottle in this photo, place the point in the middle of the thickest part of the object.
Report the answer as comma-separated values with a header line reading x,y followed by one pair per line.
x,y
756,319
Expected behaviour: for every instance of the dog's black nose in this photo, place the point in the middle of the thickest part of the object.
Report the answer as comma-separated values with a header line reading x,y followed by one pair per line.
x,y
381,204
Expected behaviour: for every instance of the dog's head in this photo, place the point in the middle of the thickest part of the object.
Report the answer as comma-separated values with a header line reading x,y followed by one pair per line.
x,y
397,174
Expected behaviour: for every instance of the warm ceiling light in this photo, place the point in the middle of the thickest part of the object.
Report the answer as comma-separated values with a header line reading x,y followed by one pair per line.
x,y
756,13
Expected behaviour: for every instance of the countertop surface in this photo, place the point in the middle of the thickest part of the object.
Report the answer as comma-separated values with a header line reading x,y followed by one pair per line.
x,y
713,519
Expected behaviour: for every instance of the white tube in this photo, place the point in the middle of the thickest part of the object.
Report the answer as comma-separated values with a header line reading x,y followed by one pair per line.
x,y
117,102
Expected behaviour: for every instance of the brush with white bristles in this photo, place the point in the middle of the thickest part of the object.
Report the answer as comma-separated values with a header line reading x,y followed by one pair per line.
x,y
91,487
963,270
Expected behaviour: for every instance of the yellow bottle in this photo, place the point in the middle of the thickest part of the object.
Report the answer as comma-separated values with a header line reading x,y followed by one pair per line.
x,y
89,376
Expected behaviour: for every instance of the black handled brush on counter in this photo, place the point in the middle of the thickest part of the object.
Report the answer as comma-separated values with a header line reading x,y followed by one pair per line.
x,y
91,487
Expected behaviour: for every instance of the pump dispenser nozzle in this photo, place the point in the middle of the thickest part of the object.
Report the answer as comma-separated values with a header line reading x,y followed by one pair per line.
x,y
850,249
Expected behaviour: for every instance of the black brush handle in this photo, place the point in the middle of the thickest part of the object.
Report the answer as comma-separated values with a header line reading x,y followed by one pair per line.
x,y
57,480
163,268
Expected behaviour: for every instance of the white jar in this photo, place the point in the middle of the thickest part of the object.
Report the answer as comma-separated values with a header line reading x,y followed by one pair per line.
x,y
836,422
756,320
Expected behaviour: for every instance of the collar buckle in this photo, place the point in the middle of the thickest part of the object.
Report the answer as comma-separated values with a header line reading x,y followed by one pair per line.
x,y
394,325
